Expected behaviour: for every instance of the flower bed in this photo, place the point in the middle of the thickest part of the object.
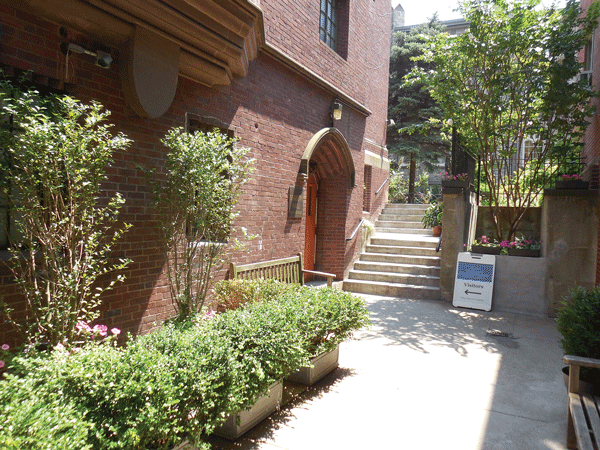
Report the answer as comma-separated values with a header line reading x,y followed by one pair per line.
x,y
177,383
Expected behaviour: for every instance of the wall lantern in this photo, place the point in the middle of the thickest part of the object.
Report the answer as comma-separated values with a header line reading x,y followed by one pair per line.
x,y
336,110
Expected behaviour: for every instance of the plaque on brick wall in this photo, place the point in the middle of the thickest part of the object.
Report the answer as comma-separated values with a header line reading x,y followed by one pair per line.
x,y
295,202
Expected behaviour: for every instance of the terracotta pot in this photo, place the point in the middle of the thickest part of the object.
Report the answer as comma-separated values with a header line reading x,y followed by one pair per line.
x,y
437,231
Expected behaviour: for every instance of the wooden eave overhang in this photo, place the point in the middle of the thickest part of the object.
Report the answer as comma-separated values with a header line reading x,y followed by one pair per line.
x,y
215,41
217,38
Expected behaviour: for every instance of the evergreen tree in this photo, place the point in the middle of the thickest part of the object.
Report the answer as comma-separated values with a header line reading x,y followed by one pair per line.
x,y
413,135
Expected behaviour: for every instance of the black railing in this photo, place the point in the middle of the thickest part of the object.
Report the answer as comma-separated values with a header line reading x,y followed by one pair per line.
x,y
382,185
355,230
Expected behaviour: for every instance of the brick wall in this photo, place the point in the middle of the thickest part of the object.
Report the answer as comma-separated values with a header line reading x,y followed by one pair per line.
x,y
274,112
591,147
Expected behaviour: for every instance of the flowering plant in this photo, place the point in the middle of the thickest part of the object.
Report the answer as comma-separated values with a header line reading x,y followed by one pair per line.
x,y
530,244
97,331
484,241
5,356
571,177
459,177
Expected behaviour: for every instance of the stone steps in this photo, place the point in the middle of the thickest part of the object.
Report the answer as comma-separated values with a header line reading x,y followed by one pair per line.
x,y
401,258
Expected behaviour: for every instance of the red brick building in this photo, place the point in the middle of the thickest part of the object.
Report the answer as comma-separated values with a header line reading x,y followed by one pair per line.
x,y
267,71
591,141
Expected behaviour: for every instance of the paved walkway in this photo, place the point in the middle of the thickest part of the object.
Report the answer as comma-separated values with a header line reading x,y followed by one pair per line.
x,y
426,376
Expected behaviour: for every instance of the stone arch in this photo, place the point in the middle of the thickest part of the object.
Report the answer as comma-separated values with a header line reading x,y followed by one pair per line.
x,y
328,159
337,151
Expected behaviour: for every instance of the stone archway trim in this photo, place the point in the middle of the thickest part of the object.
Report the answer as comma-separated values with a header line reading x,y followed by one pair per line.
x,y
338,139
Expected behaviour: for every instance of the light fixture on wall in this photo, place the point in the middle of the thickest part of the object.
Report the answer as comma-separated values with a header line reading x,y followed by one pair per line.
x,y
103,59
336,110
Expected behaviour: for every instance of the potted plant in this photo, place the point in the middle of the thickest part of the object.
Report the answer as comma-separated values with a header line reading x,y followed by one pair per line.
x,y
571,182
433,218
455,181
522,247
485,246
579,323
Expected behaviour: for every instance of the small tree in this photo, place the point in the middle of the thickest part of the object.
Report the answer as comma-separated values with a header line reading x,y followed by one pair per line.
x,y
53,158
411,105
196,205
514,75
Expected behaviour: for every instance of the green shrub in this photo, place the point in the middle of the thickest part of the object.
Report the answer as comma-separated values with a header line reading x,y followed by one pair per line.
x,y
325,317
579,323
232,294
54,156
35,415
177,383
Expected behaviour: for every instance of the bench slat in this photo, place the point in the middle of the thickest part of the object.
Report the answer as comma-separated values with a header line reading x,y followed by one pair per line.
x,y
584,440
272,263
580,361
593,415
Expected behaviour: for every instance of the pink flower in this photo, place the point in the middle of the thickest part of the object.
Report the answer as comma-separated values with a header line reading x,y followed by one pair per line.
x,y
83,326
5,347
59,346
2,363
210,314
102,330
115,331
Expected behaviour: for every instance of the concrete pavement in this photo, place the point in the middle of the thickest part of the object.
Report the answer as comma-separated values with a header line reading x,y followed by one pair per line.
x,y
426,376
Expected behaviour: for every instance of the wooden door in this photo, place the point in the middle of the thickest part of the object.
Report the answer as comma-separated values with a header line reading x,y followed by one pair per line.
x,y
311,225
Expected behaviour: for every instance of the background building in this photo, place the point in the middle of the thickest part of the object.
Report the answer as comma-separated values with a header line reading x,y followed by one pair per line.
x,y
265,71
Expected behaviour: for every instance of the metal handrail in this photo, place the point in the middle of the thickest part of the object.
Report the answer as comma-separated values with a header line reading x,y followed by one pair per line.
x,y
356,230
381,187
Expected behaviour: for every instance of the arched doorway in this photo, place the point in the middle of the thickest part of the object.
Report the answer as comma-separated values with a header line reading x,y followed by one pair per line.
x,y
328,167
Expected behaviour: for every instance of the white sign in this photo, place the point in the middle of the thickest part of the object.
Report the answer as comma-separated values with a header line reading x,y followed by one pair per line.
x,y
474,281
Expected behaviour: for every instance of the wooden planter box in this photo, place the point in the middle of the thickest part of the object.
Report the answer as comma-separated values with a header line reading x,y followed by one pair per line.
x,y
482,249
526,252
455,184
263,408
572,184
321,366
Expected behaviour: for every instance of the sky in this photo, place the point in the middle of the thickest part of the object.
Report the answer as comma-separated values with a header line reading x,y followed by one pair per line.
x,y
418,11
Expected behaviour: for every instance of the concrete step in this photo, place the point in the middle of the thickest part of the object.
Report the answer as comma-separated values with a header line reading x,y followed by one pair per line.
x,y
405,207
402,217
387,258
422,232
387,277
401,250
398,224
392,289
397,268
405,240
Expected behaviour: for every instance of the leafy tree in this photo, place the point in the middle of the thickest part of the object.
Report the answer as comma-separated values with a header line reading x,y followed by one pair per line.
x,y
513,76
53,159
196,205
413,135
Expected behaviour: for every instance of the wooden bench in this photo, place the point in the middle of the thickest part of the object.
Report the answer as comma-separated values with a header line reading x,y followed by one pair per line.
x,y
287,270
583,426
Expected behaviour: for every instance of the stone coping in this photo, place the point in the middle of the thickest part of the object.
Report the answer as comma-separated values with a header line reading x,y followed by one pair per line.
x,y
571,192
